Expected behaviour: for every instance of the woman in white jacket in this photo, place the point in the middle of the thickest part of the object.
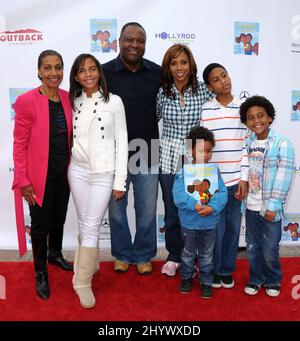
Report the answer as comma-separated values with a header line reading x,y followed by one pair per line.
x,y
98,164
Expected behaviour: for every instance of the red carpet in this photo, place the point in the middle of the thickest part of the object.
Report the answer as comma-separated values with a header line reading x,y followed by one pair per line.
x,y
131,297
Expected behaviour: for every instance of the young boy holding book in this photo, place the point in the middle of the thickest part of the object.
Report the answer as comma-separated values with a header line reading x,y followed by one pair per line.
x,y
198,221
271,168
221,116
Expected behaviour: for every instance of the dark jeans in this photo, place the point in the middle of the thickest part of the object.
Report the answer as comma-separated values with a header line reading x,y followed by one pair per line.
x,y
262,239
173,237
198,243
228,233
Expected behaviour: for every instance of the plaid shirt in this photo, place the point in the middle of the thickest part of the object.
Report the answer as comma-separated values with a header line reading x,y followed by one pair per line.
x,y
177,123
278,170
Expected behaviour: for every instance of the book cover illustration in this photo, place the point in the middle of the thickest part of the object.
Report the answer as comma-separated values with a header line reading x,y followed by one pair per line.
x,y
13,94
291,228
201,181
246,38
295,105
103,35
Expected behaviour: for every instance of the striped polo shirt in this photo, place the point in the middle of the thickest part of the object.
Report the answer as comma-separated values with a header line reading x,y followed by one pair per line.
x,y
229,152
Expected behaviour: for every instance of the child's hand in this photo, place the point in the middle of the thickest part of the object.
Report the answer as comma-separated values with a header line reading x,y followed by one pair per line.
x,y
118,194
269,215
242,190
205,210
198,207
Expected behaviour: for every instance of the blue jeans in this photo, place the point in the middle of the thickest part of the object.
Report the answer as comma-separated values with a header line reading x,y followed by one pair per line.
x,y
198,243
173,238
144,246
228,232
262,239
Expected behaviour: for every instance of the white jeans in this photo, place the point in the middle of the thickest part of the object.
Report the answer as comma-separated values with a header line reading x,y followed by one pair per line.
x,y
91,193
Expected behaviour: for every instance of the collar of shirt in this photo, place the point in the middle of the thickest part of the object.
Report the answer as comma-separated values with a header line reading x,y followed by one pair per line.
x,y
188,91
96,94
120,66
253,137
235,102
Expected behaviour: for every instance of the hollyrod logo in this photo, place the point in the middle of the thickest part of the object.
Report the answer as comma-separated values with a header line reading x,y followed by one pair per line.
x,y
183,38
21,37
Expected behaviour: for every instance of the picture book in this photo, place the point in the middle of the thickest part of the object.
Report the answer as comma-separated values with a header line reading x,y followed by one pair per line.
x,y
201,181
295,105
246,38
103,35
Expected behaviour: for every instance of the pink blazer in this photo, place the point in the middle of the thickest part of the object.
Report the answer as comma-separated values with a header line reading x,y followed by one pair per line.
x,y
31,146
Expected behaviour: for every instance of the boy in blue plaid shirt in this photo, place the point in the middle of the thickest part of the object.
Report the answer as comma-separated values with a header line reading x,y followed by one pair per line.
x,y
271,166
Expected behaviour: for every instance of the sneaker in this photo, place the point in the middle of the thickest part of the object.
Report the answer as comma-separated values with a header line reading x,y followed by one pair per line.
x,y
251,289
227,282
170,268
217,282
120,266
273,290
185,286
206,291
144,268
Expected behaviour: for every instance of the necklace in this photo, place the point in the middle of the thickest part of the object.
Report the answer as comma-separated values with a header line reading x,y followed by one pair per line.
x,y
52,97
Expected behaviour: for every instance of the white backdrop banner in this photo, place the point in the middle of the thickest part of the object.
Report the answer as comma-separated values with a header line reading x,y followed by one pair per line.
x,y
257,41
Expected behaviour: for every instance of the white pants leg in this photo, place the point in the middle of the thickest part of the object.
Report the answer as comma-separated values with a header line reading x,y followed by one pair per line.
x,y
91,193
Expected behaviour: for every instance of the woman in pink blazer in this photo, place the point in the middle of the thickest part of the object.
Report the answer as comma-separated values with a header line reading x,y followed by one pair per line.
x,y
41,151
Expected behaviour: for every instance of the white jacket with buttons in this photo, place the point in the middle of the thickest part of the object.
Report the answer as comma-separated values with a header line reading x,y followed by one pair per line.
x,y
100,141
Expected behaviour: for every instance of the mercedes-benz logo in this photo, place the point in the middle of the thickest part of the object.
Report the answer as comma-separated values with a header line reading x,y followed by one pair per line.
x,y
105,223
244,94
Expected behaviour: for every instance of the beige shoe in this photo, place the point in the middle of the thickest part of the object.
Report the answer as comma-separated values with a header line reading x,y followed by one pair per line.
x,y
121,266
84,267
144,268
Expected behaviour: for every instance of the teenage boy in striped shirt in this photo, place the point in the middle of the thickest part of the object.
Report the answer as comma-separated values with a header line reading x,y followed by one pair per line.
x,y
221,116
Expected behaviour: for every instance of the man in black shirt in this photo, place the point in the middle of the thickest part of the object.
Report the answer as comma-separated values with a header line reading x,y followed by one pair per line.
x,y
136,80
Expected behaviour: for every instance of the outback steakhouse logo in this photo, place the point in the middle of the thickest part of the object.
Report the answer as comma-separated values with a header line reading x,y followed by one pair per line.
x,y
21,37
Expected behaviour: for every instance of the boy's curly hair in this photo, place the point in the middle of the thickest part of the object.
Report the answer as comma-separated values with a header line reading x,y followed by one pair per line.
x,y
256,101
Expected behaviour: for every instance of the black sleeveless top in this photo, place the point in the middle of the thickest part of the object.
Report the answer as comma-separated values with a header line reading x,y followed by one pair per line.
x,y
58,143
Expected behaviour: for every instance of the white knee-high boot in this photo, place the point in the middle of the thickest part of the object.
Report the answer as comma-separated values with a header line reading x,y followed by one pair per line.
x,y
84,268
97,264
